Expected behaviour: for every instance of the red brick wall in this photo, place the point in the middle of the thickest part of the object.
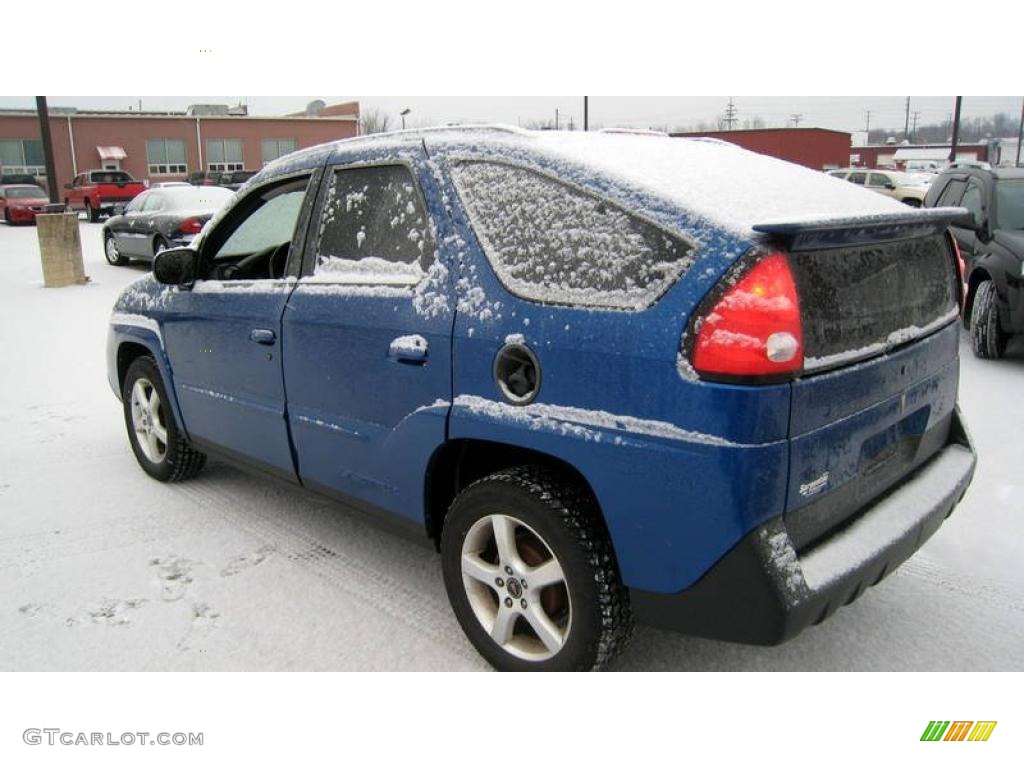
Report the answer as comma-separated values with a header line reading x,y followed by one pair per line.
x,y
131,133
812,147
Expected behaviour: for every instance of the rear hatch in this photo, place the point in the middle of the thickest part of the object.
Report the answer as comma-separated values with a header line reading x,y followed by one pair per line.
x,y
879,300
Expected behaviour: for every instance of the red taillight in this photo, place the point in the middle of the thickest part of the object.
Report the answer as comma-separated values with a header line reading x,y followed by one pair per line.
x,y
190,226
755,328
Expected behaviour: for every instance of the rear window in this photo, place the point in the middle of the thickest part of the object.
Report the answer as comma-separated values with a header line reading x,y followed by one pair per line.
x,y
110,177
554,243
24,192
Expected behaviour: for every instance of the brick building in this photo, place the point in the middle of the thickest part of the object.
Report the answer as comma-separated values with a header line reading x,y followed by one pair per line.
x,y
817,148
166,146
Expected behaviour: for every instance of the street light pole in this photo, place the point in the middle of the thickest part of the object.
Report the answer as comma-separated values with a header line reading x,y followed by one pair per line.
x,y
403,113
956,131
43,113
586,124
1020,133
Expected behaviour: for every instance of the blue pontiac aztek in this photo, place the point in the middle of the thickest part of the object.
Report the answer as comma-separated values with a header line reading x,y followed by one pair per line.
x,y
614,378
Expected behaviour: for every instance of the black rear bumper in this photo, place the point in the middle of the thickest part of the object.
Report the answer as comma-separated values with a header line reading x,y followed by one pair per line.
x,y
762,592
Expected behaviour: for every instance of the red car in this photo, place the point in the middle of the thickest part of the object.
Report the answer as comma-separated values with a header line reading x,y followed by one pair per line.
x,y
21,202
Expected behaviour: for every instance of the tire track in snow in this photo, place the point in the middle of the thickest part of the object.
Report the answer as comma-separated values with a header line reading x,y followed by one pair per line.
x,y
358,577
920,566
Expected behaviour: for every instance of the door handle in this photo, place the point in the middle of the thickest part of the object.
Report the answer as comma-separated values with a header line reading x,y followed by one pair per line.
x,y
262,336
409,349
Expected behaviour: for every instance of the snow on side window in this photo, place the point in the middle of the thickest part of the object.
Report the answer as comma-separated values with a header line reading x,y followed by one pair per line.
x,y
374,228
556,244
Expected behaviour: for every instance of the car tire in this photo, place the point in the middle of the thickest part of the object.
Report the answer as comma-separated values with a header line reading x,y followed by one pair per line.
x,y
114,257
159,244
7,217
530,522
159,446
91,213
987,339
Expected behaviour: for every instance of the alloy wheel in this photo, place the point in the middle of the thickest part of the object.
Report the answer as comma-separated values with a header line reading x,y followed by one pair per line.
x,y
516,587
148,421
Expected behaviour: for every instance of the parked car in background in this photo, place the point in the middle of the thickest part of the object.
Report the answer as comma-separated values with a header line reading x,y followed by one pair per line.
x,y
20,203
21,178
606,377
905,187
97,192
991,245
165,184
923,166
159,219
205,178
235,179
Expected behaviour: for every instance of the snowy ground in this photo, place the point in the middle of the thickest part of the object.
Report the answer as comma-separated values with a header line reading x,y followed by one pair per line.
x,y
102,568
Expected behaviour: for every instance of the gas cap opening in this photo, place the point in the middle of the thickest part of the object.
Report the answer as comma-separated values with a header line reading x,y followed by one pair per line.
x,y
517,373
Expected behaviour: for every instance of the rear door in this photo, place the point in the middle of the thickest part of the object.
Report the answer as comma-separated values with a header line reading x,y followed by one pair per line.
x,y
367,334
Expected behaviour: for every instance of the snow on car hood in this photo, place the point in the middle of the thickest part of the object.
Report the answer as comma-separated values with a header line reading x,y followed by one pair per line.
x,y
725,184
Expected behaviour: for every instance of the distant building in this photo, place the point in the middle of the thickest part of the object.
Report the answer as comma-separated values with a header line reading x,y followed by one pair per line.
x,y
817,148
891,156
166,146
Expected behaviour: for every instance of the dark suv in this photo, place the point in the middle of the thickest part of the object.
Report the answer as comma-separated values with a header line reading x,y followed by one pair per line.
x,y
992,248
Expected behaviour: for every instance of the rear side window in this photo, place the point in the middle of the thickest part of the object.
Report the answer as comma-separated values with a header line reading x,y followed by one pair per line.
x,y
953,193
554,243
374,227
857,178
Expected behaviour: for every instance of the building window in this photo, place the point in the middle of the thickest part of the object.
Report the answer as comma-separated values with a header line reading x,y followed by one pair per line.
x,y
22,156
165,156
275,148
224,155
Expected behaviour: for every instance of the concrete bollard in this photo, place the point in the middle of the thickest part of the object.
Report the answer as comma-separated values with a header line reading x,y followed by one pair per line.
x,y
60,249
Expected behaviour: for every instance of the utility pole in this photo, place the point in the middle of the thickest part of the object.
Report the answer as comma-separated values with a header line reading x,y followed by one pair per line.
x,y
1020,133
906,122
43,113
867,126
796,120
913,131
586,124
556,118
956,130
730,115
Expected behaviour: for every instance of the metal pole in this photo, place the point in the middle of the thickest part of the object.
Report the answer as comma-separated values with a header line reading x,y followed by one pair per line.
x,y
556,118
906,122
71,141
956,131
44,133
586,124
1020,132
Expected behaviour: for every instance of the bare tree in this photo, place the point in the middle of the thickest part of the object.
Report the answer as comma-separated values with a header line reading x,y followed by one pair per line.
x,y
373,121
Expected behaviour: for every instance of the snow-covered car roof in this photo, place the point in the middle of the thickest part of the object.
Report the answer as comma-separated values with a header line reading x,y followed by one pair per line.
x,y
727,186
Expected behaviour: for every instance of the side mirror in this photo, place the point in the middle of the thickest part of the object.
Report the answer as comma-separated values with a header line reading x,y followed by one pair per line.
x,y
118,209
890,185
175,266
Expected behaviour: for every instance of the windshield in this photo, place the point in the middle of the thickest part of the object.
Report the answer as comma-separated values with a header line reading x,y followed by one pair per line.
x,y
1010,204
25,192
195,198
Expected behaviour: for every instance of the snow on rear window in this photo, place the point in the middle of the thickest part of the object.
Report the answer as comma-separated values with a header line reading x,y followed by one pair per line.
x,y
556,244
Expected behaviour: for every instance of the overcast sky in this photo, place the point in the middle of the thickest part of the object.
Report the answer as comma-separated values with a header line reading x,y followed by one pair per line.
x,y
846,113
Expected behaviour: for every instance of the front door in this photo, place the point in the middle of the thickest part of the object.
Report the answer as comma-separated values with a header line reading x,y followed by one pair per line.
x,y
367,336
226,344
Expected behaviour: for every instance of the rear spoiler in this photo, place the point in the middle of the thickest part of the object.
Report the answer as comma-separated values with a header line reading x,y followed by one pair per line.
x,y
838,231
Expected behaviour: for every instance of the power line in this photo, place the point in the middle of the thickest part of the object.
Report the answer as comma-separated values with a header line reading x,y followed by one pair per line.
x,y
730,115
